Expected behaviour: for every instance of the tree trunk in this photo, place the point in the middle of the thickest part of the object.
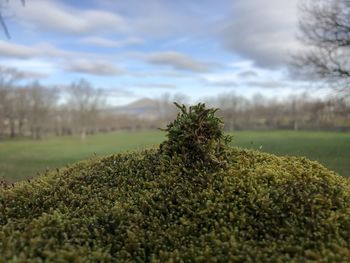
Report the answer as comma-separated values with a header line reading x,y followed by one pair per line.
x,y
12,130
83,134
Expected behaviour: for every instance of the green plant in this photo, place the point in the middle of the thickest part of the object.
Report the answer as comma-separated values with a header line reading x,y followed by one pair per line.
x,y
196,137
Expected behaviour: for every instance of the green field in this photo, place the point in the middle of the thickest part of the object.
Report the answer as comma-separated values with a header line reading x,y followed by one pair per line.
x,y
21,159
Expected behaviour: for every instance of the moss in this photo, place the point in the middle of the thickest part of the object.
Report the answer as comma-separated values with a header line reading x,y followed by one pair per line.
x,y
196,139
144,207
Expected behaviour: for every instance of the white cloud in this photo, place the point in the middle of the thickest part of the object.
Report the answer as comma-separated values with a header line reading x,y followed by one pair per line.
x,y
141,18
156,86
9,49
33,68
93,67
178,61
262,31
154,18
20,55
270,84
109,43
248,76
54,17
23,74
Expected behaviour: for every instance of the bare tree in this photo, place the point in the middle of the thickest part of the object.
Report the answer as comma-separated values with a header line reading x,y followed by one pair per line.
x,y
85,103
41,102
20,112
325,32
8,78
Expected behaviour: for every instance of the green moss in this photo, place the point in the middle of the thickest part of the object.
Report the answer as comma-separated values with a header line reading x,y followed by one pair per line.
x,y
144,207
195,138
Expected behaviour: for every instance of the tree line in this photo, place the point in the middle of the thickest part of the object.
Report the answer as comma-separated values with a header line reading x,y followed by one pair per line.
x,y
35,111
295,112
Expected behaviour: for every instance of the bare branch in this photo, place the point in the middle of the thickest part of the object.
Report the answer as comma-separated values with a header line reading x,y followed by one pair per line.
x,y
2,20
3,24
325,32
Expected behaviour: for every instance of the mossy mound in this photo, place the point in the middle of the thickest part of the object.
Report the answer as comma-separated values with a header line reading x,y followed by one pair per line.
x,y
149,207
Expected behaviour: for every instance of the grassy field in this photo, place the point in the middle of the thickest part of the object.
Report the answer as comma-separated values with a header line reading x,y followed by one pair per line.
x,y
21,159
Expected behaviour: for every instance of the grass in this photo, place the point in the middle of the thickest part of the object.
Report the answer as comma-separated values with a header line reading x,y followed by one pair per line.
x,y
332,149
21,159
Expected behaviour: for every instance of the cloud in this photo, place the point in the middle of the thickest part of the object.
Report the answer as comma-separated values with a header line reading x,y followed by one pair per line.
x,y
9,49
243,75
54,17
93,67
142,18
105,42
248,74
154,18
177,61
160,73
262,31
156,86
57,59
270,84
22,74
220,79
222,83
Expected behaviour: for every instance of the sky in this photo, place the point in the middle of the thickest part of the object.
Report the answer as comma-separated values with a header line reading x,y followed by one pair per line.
x,y
134,49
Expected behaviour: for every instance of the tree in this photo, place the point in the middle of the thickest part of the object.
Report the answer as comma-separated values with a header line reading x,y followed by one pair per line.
x,y
325,32
41,101
8,78
85,103
21,110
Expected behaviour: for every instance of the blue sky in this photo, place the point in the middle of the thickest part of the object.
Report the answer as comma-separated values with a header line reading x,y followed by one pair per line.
x,y
136,49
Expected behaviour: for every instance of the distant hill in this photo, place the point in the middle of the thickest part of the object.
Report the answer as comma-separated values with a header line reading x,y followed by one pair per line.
x,y
144,108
